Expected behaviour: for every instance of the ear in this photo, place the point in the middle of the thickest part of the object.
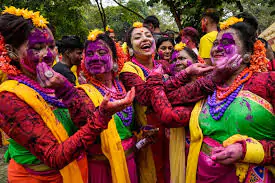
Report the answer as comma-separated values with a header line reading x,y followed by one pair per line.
x,y
12,52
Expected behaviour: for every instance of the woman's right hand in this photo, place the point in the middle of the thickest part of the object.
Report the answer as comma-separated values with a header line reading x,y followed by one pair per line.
x,y
110,108
198,69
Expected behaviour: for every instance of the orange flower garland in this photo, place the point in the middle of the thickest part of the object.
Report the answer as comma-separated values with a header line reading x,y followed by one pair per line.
x,y
5,60
258,61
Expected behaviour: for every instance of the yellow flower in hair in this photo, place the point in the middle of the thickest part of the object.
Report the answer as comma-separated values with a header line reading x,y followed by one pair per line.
x,y
230,21
107,28
10,10
40,21
37,19
137,25
125,48
93,34
180,46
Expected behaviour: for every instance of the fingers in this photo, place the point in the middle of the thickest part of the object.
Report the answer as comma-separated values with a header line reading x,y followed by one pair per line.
x,y
106,99
222,155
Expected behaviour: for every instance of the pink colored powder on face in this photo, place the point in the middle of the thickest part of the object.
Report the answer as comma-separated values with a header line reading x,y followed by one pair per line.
x,y
98,57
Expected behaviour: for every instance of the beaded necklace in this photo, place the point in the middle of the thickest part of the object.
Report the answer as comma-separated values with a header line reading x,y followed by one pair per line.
x,y
42,91
217,109
146,71
126,114
222,93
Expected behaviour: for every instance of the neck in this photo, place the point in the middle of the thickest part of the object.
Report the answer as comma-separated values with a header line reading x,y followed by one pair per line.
x,y
234,75
157,30
146,61
29,75
65,60
105,78
212,27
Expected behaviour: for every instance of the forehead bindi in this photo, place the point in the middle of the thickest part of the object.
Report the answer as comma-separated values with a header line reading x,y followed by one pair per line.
x,y
139,31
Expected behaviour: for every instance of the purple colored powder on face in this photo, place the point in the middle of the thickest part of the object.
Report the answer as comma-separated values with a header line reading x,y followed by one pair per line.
x,y
98,57
38,49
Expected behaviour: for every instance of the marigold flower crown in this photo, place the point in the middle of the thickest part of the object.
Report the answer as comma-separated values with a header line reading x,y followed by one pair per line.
x,y
230,21
37,19
137,24
93,34
180,46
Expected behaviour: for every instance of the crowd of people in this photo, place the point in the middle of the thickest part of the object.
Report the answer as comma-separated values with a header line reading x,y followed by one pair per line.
x,y
157,109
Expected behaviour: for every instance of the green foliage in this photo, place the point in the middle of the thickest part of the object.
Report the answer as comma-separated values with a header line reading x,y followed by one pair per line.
x,y
64,15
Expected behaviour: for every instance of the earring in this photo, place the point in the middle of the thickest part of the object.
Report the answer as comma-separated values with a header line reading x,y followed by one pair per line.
x,y
131,52
115,67
11,53
246,58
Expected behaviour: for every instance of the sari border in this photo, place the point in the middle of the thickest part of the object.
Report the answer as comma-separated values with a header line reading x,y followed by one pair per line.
x,y
264,103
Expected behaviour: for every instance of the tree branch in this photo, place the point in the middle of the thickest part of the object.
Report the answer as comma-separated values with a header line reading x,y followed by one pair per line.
x,y
128,9
239,5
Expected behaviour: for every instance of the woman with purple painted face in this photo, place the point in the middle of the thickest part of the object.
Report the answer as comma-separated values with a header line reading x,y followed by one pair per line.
x,y
111,158
232,130
45,145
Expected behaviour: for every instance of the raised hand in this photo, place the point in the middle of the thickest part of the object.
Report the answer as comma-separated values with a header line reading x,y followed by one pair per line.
x,y
227,155
117,105
48,78
198,69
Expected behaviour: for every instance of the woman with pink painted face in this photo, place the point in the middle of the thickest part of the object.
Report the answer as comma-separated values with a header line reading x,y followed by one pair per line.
x,y
44,144
134,73
181,59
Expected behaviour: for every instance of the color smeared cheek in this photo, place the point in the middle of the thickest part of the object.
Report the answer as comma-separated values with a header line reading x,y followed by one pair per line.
x,y
161,54
30,61
188,63
175,55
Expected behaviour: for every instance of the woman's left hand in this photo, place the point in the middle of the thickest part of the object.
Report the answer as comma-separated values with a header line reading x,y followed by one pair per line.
x,y
227,155
48,78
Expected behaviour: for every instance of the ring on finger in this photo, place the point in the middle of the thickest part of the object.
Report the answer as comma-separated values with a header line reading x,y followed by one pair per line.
x,y
48,74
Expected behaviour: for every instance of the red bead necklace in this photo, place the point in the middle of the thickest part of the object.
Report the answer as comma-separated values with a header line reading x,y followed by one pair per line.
x,y
222,93
118,94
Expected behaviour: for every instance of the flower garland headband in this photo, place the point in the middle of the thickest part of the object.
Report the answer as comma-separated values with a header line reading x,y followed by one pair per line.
x,y
230,21
37,19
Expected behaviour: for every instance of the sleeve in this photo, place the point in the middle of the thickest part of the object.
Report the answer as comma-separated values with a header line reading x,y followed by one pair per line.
x,y
269,152
20,122
75,100
133,80
143,92
174,82
205,47
192,92
169,116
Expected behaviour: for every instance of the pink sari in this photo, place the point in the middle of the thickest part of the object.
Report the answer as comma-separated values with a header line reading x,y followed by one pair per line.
x,y
99,169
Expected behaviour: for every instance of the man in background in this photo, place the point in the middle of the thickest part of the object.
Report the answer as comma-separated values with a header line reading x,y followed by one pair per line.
x,y
71,48
209,25
153,23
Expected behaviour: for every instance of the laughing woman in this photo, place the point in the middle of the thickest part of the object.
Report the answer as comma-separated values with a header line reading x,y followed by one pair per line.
x,y
44,144
134,73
